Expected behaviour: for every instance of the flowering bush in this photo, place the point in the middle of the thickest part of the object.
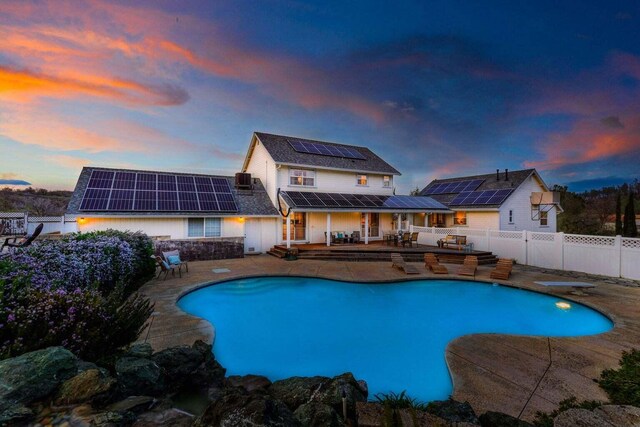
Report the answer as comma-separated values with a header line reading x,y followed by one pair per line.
x,y
75,292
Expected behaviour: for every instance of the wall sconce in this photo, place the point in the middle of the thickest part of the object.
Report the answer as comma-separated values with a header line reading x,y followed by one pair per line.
x,y
241,219
82,220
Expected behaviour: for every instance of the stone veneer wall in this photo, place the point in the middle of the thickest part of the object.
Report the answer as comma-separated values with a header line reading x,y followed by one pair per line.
x,y
203,249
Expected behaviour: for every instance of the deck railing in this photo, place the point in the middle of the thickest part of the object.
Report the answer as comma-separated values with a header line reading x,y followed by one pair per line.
x,y
613,256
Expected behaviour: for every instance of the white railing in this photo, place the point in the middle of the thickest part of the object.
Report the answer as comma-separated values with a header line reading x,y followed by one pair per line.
x,y
23,223
606,255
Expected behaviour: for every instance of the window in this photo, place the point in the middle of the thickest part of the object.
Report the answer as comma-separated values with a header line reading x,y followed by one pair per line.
x,y
543,218
361,179
386,181
301,177
510,216
460,218
204,227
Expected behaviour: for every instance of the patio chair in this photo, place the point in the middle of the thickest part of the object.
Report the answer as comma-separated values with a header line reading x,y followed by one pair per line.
x,y
431,262
173,258
502,270
355,237
165,267
24,242
469,266
398,262
406,238
414,239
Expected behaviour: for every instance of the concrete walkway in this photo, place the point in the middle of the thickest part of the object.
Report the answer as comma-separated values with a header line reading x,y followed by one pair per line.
x,y
511,374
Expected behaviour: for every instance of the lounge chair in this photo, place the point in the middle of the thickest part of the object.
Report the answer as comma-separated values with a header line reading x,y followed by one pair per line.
x,y
173,258
398,262
503,269
26,241
432,263
164,267
469,266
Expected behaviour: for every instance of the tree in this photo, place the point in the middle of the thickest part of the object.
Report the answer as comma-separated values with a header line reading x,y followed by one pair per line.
x,y
619,214
630,229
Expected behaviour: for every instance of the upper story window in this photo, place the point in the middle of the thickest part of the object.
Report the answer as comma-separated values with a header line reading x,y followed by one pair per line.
x,y
302,177
204,227
361,180
386,181
510,216
460,218
544,218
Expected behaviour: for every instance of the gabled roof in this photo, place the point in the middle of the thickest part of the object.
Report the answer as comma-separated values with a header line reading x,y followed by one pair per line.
x,y
282,152
254,202
516,178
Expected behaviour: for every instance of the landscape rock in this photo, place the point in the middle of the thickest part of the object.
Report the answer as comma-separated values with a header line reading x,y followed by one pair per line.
x,y
178,363
112,419
86,386
34,375
140,350
453,411
249,382
317,415
135,404
238,409
171,417
295,391
15,414
139,376
498,419
210,372
576,417
620,415
332,391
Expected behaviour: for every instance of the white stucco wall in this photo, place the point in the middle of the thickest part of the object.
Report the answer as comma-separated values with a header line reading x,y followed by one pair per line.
x,y
262,166
174,228
336,182
490,220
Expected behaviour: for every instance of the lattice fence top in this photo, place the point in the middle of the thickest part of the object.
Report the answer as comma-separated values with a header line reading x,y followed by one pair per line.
x,y
630,243
507,234
473,232
589,240
45,219
12,215
421,229
445,231
543,237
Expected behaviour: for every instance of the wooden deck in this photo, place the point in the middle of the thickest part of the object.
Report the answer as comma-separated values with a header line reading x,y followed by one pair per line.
x,y
380,251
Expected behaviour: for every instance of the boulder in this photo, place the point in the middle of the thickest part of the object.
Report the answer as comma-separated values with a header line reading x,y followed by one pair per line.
x,y
238,409
139,376
111,419
317,415
15,414
453,411
576,417
295,391
32,376
210,372
178,363
171,417
498,419
620,415
249,382
133,404
85,387
140,350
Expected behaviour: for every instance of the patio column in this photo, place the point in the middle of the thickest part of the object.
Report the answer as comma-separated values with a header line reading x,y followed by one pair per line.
x,y
328,228
289,231
366,228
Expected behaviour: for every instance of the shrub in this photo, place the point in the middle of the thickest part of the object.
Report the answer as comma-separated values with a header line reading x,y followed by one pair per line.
x,y
623,385
392,403
546,420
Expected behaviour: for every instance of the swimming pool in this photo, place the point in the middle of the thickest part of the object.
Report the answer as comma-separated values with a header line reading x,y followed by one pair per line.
x,y
392,335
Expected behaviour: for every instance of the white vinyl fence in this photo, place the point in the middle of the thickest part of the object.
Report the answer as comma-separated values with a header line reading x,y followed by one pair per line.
x,y
609,256
18,223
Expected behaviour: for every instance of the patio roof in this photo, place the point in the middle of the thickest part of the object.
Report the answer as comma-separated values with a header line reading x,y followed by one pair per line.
x,y
307,201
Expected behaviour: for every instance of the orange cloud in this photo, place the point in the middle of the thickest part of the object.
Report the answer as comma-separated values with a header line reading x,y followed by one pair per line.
x,y
589,141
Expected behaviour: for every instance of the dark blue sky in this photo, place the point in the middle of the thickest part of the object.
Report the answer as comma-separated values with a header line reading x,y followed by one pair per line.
x,y
437,88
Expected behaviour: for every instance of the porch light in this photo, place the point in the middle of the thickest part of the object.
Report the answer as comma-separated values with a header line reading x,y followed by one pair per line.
x,y
82,220
241,219
563,305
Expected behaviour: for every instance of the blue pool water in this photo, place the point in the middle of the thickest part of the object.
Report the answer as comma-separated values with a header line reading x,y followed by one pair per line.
x,y
391,335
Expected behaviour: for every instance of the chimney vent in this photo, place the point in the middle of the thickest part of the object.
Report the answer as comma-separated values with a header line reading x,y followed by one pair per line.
x,y
497,174
506,174
243,181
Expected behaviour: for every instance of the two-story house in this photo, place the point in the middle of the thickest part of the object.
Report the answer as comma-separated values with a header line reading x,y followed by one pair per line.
x,y
322,187
509,200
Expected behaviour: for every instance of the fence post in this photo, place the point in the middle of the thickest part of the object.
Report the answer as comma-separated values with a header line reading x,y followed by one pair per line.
x,y
411,228
488,232
561,245
618,246
525,240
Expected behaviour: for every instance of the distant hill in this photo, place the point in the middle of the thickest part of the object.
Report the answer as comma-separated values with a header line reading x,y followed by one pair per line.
x,y
38,202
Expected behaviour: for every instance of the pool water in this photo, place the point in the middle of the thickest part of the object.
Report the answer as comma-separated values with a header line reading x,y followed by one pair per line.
x,y
392,335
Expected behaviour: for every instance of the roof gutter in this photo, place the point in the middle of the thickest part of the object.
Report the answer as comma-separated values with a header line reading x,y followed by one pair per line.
x,y
300,165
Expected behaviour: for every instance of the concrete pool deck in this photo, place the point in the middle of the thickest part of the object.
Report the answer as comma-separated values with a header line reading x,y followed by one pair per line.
x,y
510,374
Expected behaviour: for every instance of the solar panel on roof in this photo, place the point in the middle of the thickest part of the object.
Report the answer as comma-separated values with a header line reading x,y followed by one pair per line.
x,y
487,197
138,191
301,199
454,187
326,149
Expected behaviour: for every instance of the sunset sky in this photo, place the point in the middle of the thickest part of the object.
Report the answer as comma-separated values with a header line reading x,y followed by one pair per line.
x,y
437,88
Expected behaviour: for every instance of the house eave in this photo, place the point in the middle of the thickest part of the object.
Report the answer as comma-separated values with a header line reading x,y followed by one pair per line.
x,y
306,166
